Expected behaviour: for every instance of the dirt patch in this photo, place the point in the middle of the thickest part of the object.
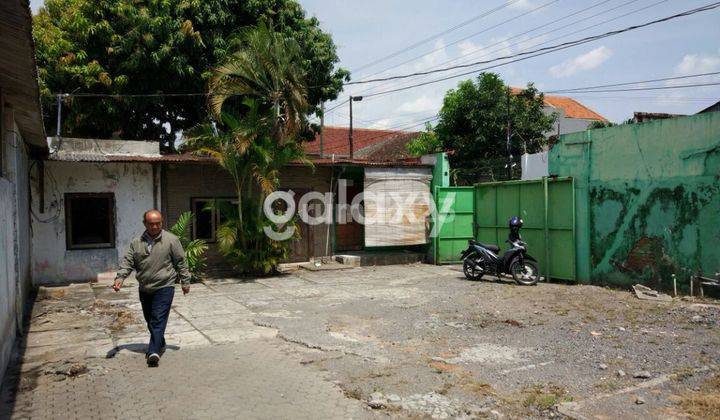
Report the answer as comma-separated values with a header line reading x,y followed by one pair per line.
x,y
441,367
67,369
119,316
46,293
477,388
705,403
546,396
30,379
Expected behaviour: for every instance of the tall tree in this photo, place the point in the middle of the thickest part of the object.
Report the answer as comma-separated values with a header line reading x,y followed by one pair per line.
x,y
259,105
474,118
159,46
425,143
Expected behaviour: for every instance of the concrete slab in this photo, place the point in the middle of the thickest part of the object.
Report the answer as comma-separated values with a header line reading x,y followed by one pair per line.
x,y
236,335
419,340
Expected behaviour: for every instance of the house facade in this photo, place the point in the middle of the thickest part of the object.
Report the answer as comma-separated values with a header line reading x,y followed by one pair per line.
x,y
90,195
21,136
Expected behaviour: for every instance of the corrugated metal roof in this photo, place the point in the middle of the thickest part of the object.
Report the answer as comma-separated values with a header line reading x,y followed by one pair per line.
x,y
18,70
193,159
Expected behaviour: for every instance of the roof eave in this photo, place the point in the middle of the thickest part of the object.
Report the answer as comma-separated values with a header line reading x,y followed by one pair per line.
x,y
18,70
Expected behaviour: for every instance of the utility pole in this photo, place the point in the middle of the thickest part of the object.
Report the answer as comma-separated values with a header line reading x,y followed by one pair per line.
x,y
322,126
509,164
59,115
350,133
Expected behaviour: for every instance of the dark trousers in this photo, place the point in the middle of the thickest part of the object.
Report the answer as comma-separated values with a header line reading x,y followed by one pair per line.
x,y
156,309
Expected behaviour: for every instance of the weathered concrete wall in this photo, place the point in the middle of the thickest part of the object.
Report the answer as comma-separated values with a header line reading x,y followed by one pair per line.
x,y
14,235
648,199
132,186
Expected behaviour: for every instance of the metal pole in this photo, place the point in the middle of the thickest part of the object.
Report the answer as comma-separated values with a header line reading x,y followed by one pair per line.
x,y
507,137
59,115
546,193
350,133
322,127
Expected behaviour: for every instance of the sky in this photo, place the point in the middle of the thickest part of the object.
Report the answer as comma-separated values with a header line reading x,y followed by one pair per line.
x,y
379,38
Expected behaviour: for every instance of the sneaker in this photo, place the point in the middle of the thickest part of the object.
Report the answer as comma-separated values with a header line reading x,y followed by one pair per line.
x,y
153,360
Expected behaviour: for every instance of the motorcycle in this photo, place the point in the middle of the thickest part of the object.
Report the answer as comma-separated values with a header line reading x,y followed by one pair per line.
x,y
480,259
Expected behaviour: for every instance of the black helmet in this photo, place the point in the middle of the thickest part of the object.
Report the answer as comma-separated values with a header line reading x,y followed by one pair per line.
x,y
515,222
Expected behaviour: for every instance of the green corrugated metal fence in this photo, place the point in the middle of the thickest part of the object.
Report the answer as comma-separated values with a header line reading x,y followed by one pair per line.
x,y
547,207
455,216
548,212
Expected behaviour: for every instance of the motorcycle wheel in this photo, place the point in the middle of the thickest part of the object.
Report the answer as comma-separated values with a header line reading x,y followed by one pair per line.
x,y
525,274
471,271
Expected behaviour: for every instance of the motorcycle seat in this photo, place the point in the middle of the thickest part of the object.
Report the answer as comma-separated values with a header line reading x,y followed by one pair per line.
x,y
493,248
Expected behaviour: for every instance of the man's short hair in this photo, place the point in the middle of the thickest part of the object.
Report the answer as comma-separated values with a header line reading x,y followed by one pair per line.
x,y
150,211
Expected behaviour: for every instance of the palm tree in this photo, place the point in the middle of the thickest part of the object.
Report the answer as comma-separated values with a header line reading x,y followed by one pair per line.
x,y
194,249
258,100
267,67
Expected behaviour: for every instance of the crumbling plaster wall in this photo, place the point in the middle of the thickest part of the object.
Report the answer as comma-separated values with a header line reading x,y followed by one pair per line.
x,y
648,199
132,186
14,236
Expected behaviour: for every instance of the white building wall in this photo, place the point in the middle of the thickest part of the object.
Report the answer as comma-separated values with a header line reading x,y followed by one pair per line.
x,y
14,235
534,166
132,186
565,125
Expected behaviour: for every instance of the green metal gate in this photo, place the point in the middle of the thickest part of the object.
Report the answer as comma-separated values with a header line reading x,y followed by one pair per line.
x,y
547,207
454,222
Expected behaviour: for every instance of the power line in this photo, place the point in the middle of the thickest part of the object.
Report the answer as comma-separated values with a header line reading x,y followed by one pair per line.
x,y
657,98
521,56
127,95
582,89
464,57
336,106
549,49
652,88
462,39
400,127
545,25
371,93
430,38
404,114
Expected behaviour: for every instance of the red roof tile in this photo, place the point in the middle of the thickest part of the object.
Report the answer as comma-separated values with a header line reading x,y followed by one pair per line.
x,y
572,108
336,140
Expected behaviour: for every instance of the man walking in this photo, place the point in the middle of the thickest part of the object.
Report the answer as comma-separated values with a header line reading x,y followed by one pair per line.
x,y
158,259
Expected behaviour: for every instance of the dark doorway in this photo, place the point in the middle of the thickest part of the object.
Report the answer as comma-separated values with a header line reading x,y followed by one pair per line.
x,y
302,248
348,232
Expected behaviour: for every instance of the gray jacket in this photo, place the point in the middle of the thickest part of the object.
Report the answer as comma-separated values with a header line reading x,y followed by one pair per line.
x,y
157,263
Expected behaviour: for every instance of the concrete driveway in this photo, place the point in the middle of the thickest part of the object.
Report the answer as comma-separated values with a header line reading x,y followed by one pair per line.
x,y
404,341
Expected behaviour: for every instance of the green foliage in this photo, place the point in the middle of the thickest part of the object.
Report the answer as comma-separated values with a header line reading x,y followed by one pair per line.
x,y
600,124
168,46
427,142
194,249
252,137
244,243
473,121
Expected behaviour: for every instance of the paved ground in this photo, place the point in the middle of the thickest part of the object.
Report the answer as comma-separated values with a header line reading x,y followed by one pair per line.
x,y
409,341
